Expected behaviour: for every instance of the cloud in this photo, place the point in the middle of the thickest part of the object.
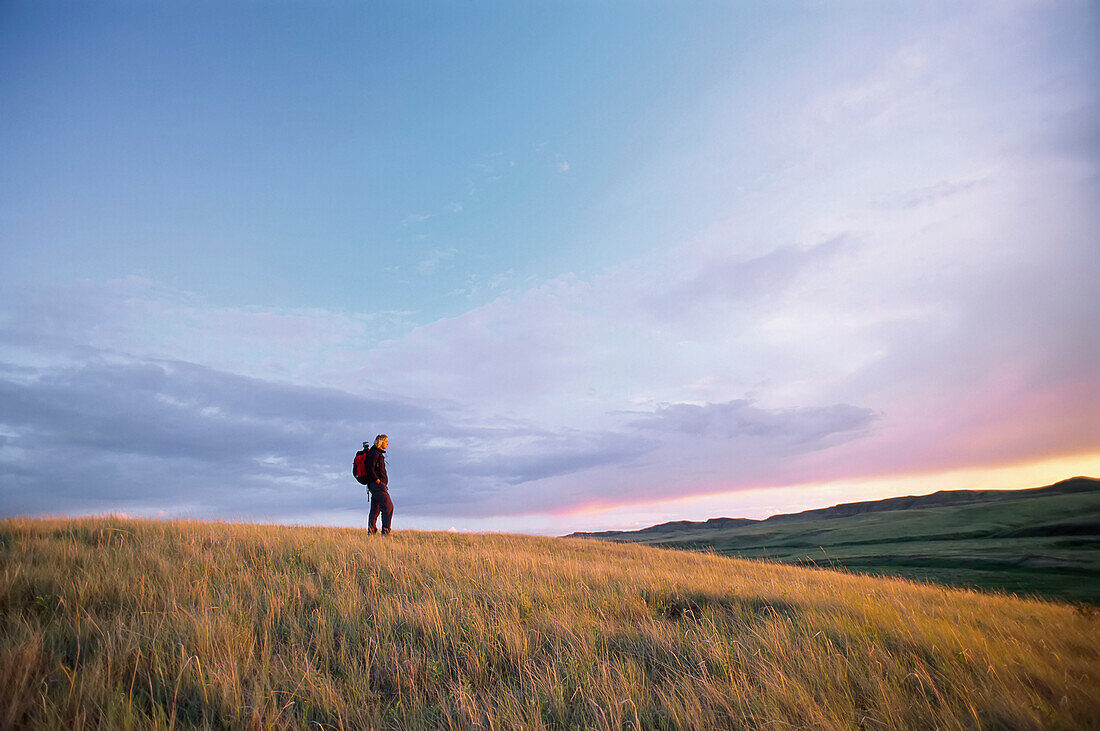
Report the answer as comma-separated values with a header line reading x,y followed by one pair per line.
x,y
414,218
198,420
929,194
562,166
230,445
140,318
730,279
805,428
186,439
435,258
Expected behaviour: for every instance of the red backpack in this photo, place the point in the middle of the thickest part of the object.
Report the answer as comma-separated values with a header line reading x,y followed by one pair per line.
x,y
360,467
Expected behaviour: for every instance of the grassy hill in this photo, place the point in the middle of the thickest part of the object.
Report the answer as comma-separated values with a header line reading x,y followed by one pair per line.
x,y
108,623
1043,541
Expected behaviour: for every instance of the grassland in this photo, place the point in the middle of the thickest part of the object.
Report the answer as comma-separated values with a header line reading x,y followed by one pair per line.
x,y
109,623
1043,542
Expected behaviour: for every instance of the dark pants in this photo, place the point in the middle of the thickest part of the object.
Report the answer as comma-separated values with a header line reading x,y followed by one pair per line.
x,y
380,503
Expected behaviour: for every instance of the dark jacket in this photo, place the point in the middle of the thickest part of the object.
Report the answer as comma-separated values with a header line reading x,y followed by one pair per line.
x,y
376,466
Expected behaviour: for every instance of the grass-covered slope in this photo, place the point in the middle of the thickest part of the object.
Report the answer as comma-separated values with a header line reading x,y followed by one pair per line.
x,y
1042,541
118,624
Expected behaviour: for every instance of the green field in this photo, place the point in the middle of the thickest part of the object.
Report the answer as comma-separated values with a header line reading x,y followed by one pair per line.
x,y
1043,542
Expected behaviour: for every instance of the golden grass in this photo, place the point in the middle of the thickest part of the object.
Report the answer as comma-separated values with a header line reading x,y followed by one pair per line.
x,y
115,623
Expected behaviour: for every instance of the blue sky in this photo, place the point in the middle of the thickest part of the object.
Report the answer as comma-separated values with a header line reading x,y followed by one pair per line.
x,y
583,262
263,148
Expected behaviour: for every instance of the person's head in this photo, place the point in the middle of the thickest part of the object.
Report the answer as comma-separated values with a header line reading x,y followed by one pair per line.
x,y
381,441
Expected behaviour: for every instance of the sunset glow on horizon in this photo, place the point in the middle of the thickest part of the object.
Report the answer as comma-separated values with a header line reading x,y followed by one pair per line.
x,y
765,501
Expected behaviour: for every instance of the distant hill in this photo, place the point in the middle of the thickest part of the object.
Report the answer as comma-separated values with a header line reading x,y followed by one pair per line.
x,y
1043,540
674,526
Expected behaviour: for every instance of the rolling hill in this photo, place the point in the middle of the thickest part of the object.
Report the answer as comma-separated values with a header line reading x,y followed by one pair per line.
x,y
1042,541
110,623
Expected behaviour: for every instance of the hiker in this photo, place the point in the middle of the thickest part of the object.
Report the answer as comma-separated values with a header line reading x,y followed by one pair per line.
x,y
378,485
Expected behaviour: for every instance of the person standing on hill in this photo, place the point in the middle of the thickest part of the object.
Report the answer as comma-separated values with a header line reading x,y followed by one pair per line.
x,y
378,485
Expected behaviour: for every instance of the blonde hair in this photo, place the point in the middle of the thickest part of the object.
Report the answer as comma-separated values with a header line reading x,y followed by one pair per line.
x,y
381,441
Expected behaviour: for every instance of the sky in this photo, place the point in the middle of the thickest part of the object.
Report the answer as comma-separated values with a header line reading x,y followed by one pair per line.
x,y
589,265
